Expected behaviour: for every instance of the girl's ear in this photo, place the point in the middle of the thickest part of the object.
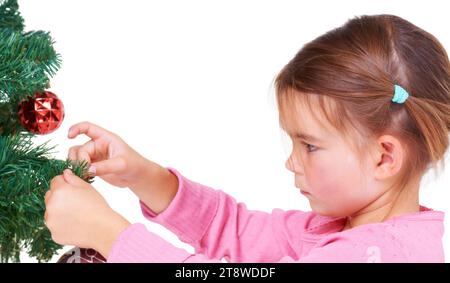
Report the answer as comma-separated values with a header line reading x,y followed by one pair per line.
x,y
389,157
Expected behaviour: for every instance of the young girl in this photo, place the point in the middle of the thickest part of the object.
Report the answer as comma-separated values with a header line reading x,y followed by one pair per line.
x,y
367,106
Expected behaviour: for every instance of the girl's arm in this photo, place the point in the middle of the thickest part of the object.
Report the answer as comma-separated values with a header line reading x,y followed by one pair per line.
x,y
219,227
136,245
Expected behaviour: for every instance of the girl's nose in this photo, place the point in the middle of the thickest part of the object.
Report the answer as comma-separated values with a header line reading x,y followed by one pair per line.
x,y
292,164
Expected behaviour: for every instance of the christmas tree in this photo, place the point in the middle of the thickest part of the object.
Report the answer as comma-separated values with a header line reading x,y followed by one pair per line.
x,y
27,62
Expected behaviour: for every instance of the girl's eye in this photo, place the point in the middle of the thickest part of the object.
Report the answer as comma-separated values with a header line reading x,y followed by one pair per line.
x,y
309,147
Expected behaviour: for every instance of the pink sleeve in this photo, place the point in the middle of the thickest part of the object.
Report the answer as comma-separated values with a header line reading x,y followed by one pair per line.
x,y
138,245
219,227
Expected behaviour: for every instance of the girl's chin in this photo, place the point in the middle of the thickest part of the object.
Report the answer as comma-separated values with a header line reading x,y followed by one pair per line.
x,y
323,211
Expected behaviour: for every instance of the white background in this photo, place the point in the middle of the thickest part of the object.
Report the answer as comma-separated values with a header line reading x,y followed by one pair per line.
x,y
188,84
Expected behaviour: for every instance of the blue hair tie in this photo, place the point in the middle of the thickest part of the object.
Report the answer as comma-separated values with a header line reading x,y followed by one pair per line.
x,y
400,94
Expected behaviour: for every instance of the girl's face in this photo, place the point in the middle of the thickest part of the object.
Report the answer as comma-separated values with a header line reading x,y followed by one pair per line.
x,y
326,169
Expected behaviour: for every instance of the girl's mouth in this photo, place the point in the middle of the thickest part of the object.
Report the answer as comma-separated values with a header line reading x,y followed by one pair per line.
x,y
304,192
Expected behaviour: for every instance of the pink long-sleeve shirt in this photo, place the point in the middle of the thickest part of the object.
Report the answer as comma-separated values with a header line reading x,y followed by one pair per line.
x,y
219,227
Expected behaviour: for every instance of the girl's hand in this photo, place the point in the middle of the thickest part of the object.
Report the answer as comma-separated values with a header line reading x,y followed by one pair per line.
x,y
109,156
76,214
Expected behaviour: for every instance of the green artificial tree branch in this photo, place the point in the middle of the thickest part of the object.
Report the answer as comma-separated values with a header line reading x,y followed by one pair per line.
x,y
25,174
27,61
10,15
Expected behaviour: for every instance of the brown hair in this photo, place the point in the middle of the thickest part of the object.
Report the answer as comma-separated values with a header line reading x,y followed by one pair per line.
x,y
351,72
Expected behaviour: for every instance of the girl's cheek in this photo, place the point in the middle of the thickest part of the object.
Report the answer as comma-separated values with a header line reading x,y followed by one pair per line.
x,y
334,185
321,179
330,182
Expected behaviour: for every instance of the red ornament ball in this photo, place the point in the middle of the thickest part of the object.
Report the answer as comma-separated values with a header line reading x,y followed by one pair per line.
x,y
41,114
80,255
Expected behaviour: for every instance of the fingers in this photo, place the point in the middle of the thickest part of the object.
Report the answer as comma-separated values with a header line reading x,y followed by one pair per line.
x,y
68,177
47,196
57,182
113,165
73,152
91,130
46,200
74,180
83,152
86,151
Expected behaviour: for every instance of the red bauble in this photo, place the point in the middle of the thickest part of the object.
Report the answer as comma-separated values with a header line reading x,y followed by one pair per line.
x,y
41,114
80,255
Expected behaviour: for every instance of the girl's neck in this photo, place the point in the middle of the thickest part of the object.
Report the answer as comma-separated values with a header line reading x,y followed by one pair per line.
x,y
388,206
